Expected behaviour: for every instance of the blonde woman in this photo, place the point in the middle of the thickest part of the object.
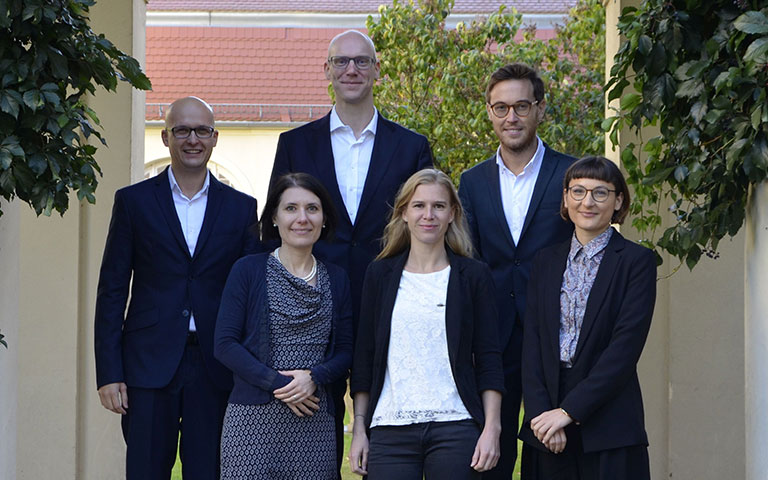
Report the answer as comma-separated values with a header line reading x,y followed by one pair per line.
x,y
427,375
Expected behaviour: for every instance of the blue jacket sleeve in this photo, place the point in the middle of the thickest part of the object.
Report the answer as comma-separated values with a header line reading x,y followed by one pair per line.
x,y
112,295
237,306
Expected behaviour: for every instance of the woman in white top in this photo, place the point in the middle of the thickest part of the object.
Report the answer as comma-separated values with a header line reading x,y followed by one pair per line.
x,y
427,374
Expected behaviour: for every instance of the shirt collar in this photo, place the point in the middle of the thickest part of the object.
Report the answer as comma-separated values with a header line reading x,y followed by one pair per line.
x,y
593,247
531,166
336,122
176,188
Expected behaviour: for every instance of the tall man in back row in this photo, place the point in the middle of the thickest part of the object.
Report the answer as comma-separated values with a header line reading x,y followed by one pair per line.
x,y
512,202
172,241
362,159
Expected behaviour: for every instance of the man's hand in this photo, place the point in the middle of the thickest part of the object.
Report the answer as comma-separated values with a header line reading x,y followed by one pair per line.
x,y
114,397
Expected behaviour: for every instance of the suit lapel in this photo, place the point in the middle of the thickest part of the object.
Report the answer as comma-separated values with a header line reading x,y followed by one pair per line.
x,y
321,153
212,208
552,296
546,171
452,311
494,190
599,291
165,203
384,145
391,283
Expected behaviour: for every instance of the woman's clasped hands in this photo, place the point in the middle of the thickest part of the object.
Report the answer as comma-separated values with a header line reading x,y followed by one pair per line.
x,y
299,393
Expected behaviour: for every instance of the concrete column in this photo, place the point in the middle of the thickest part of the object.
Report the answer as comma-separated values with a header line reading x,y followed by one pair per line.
x,y
756,334
62,430
9,326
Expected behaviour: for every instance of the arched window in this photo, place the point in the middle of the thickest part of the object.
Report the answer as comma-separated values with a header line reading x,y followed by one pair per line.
x,y
221,174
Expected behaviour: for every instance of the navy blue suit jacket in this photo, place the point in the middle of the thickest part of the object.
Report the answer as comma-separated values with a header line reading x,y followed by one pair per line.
x,y
470,328
397,154
510,263
146,250
606,401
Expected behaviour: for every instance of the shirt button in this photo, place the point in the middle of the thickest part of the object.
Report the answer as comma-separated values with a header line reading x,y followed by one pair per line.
x,y
512,294
185,313
517,263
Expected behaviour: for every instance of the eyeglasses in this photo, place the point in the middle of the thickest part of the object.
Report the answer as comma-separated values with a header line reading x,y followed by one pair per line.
x,y
361,63
202,131
521,108
599,194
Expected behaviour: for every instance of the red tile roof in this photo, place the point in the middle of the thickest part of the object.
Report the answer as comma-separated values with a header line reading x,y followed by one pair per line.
x,y
264,67
350,6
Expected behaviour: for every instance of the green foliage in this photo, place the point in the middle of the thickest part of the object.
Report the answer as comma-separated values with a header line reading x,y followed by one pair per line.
x,y
697,71
433,78
50,59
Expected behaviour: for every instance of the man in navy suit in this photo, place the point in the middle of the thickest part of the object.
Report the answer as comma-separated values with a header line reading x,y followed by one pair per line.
x,y
512,202
362,159
172,240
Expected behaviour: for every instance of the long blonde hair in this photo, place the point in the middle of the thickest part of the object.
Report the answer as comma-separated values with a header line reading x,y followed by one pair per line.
x,y
397,237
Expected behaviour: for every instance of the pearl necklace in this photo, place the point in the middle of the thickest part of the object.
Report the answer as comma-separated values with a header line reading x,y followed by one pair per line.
x,y
311,273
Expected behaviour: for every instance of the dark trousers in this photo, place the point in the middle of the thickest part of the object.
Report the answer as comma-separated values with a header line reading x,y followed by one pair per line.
x,y
510,409
431,451
626,463
189,404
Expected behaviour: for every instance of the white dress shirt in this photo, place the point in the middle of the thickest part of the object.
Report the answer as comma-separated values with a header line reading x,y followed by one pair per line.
x,y
517,190
191,212
351,159
418,384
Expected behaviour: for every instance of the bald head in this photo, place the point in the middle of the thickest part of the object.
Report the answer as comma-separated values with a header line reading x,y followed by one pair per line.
x,y
188,104
352,33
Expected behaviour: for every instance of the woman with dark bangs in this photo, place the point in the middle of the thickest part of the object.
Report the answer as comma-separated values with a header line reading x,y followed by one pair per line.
x,y
589,309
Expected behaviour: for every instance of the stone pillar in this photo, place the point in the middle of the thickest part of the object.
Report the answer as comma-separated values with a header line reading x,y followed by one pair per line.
x,y
62,430
756,334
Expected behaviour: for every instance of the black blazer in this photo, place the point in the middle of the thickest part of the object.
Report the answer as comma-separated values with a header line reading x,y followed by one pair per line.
x,y
510,263
397,154
146,251
606,401
470,323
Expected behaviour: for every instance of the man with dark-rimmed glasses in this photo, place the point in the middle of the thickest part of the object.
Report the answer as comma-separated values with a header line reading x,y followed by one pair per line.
x,y
172,241
512,202
362,159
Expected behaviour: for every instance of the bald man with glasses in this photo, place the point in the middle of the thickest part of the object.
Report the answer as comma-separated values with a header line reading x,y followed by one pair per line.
x,y
512,203
362,159
171,243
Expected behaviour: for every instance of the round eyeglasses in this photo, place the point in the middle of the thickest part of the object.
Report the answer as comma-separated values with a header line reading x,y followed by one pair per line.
x,y
599,194
361,63
521,108
202,131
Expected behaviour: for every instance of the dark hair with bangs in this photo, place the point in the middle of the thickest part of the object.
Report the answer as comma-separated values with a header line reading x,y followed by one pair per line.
x,y
598,168
269,231
516,71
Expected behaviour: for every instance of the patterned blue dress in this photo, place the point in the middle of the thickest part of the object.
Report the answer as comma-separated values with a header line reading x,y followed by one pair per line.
x,y
269,441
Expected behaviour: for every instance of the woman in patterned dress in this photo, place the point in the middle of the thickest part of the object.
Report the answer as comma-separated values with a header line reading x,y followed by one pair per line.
x,y
427,374
285,331
589,308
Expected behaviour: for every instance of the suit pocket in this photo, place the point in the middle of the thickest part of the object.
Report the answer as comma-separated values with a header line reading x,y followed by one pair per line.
x,y
138,320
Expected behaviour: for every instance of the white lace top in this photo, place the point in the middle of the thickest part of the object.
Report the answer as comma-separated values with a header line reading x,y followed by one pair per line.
x,y
418,384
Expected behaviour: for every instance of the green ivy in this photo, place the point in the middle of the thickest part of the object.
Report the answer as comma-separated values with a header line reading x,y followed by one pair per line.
x,y
696,71
433,78
50,59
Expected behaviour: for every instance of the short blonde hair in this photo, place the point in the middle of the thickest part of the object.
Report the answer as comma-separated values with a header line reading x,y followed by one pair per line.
x,y
397,237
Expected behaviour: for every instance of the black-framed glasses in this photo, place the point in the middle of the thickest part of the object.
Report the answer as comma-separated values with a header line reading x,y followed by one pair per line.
x,y
202,131
599,194
362,62
521,108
